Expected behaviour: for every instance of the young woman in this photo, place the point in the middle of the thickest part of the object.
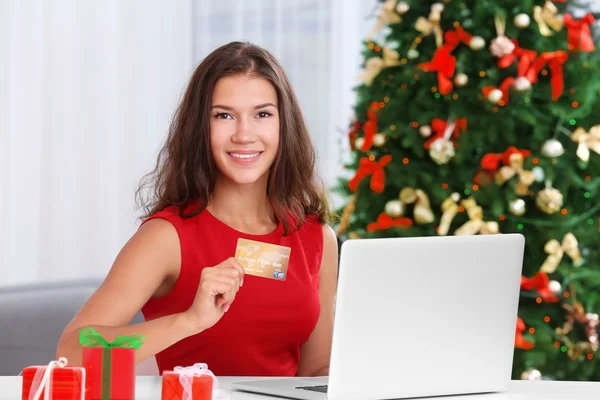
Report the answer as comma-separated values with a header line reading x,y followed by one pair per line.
x,y
238,163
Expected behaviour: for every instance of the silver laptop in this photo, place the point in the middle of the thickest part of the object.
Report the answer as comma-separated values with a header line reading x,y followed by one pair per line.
x,y
418,317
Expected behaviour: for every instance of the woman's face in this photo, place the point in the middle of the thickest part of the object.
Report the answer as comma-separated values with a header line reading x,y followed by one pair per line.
x,y
244,128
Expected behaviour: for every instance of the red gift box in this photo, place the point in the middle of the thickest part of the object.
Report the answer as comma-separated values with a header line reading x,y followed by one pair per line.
x,y
110,373
110,366
191,383
54,381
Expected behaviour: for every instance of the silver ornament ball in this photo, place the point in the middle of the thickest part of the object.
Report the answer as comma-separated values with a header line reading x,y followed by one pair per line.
x,y
495,96
552,148
412,54
477,43
461,79
517,207
402,8
425,131
379,139
394,208
522,84
522,21
555,287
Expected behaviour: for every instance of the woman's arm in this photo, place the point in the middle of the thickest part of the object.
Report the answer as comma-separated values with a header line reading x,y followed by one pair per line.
x,y
314,354
149,263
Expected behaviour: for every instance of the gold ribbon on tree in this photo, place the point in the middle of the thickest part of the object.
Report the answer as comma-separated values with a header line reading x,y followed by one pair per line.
x,y
547,17
430,25
387,16
374,65
556,251
422,213
515,167
476,223
449,210
587,141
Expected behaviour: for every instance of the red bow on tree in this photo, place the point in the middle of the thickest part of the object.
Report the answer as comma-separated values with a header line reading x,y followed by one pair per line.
x,y
375,169
555,61
491,161
454,38
579,34
445,64
439,126
524,56
520,341
384,221
540,283
370,127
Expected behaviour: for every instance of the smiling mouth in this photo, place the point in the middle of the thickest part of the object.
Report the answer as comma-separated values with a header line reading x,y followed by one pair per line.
x,y
245,156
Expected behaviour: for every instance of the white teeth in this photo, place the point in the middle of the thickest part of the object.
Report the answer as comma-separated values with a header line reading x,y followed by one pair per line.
x,y
236,155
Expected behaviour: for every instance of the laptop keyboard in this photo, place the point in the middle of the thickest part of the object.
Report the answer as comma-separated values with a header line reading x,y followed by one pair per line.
x,y
320,389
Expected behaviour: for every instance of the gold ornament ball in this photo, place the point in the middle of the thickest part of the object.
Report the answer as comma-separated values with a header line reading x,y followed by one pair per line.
x,y
552,148
522,21
461,79
517,207
549,200
531,375
358,143
402,8
555,287
425,131
441,151
522,84
495,96
477,43
412,54
394,208
379,139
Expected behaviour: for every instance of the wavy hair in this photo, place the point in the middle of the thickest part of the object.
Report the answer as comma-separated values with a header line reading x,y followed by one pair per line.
x,y
185,171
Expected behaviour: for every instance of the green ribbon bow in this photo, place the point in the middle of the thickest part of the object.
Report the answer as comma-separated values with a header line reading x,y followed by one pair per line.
x,y
89,337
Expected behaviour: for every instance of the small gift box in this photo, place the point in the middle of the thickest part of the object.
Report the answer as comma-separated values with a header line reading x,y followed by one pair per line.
x,y
110,366
196,382
54,381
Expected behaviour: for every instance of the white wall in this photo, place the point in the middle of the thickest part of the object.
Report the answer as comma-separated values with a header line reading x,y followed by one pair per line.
x,y
87,90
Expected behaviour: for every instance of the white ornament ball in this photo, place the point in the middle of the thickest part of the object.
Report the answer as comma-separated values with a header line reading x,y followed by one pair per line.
x,y
538,173
522,84
531,375
412,54
522,21
437,7
553,148
441,151
394,208
477,43
461,79
517,207
425,131
554,287
402,8
495,96
358,143
379,139
501,46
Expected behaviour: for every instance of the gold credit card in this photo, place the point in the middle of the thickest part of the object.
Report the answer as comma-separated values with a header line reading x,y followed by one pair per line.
x,y
263,259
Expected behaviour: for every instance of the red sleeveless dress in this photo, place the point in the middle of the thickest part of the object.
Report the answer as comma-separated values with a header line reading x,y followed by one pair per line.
x,y
269,320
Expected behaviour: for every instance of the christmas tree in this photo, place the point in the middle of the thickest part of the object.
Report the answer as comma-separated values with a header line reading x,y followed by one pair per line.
x,y
483,117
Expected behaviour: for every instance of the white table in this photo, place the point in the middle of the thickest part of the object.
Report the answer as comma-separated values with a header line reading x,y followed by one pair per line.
x,y
149,388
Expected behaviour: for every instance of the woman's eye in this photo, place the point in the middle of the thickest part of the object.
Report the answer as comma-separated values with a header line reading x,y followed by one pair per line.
x,y
264,114
223,116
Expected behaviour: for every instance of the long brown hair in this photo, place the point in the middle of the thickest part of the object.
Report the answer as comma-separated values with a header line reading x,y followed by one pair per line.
x,y
185,171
